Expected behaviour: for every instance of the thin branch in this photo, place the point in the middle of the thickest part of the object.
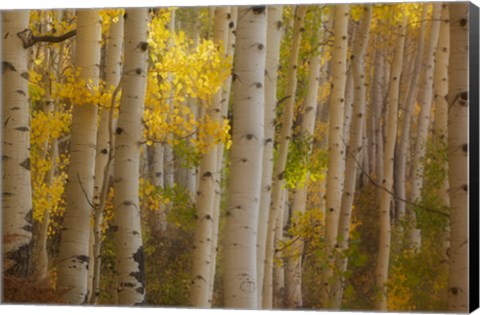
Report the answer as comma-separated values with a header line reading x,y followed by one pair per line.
x,y
287,245
28,39
391,193
84,192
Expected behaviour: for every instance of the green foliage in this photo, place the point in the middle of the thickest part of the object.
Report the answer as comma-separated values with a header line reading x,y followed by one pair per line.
x,y
418,279
182,215
300,162
359,292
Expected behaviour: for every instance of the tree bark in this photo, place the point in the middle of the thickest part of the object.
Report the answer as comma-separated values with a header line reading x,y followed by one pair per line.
x,y
425,103
246,160
458,281
293,276
104,146
440,86
383,257
16,179
226,89
336,146
353,155
73,259
208,188
130,261
274,36
408,106
279,167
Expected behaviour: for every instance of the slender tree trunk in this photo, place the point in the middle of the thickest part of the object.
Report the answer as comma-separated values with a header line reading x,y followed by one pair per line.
x,y
408,106
208,188
16,180
383,257
458,281
104,146
279,167
440,85
353,155
240,274
226,89
336,146
278,282
168,156
425,103
378,96
160,221
73,258
293,277
130,262
274,36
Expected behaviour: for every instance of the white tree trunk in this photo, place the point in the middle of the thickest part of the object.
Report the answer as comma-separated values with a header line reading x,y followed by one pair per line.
x,y
73,258
160,221
240,274
425,102
279,263
226,89
408,106
440,85
274,36
113,63
353,155
377,105
336,146
208,188
293,277
279,167
130,262
16,180
383,257
168,162
458,288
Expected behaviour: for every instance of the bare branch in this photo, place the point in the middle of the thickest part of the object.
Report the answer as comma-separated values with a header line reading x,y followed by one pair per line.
x,y
28,39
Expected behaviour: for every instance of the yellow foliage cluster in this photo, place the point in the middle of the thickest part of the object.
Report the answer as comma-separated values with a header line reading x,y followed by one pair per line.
x,y
151,197
78,92
52,125
47,193
47,22
108,212
179,73
109,16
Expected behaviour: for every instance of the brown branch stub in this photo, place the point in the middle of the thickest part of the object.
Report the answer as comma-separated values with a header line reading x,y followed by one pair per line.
x,y
28,39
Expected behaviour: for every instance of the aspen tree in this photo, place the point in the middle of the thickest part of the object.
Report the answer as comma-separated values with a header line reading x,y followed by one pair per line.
x,y
274,36
113,62
279,167
226,89
293,270
208,188
377,104
48,152
425,102
130,262
278,279
73,259
160,220
440,86
354,152
383,257
240,283
458,281
408,106
168,156
16,179
336,146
